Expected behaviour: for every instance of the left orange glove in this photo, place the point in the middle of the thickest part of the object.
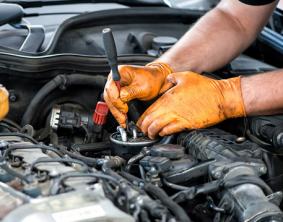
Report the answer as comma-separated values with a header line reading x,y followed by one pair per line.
x,y
137,82
194,102
4,102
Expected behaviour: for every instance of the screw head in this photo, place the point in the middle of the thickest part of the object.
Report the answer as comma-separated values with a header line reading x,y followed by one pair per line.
x,y
262,170
12,96
217,174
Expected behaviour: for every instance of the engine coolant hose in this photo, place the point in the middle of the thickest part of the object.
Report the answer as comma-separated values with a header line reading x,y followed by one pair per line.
x,y
60,81
170,204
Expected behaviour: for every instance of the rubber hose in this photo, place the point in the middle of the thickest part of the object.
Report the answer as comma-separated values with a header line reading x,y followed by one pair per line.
x,y
144,216
12,147
177,210
14,173
131,178
60,80
59,160
23,136
240,180
92,147
56,186
88,160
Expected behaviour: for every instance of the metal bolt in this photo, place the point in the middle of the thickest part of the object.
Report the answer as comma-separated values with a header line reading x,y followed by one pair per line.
x,y
240,139
12,96
121,200
262,170
217,174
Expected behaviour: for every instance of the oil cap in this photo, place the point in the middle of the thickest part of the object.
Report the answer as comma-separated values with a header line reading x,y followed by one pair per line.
x,y
171,151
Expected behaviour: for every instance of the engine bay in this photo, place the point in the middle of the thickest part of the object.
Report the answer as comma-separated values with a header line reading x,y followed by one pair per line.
x,y
63,157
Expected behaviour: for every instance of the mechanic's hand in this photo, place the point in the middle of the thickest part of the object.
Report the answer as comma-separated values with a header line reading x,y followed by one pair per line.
x,y
4,102
195,102
137,82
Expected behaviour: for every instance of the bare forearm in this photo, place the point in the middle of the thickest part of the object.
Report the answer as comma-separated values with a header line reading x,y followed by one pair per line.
x,y
203,47
217,38
263,93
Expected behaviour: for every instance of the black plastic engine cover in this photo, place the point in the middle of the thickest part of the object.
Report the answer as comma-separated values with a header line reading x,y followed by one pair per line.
x,y
217,144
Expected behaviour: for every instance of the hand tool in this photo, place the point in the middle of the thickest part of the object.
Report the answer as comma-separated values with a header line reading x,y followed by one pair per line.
x,y
111,53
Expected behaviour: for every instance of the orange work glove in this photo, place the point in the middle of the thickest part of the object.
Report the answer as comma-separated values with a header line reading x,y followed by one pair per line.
x,y
4,102
137,82
194,102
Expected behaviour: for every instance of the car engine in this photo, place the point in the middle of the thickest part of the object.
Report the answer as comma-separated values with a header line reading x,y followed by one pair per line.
x,y
63,156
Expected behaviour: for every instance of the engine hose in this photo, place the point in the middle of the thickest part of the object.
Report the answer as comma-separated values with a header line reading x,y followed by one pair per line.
x,y
144,216
239,180
11,123
167,139
14,173
27,147
134,180
56,186
189,193
268,164
177,210
174,186
92,147
114,162
93,162
59,160
63,81
23,136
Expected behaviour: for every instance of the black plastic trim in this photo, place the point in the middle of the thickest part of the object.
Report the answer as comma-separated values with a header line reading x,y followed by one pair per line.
x,y
33,67
133,15
25,64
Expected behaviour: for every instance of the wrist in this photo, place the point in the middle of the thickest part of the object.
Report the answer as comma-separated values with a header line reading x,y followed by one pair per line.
x,y
163,70
233,103
162,67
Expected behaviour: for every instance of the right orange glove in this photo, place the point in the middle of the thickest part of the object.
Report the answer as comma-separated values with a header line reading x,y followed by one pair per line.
x,y
137,82
194,102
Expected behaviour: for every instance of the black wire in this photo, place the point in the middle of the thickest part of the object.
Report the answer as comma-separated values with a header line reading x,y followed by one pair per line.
x,y
92,147
20,135
8,127
160,194
60,160
144,216
56,186
268,164
27,147
257,140
191,192
133,179
87,134
142,173
14,173
174,186
12,123
88,160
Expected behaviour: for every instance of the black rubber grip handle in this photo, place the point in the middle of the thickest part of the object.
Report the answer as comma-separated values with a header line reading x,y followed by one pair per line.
x,y
111,52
